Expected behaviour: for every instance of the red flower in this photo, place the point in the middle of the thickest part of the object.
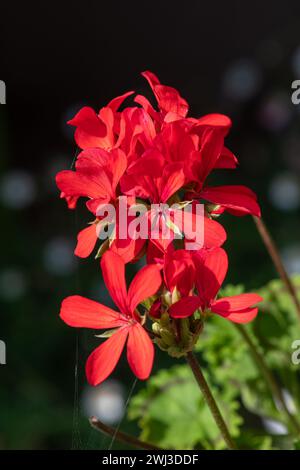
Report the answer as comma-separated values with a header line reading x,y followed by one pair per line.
x,y
211,268
81,312
162,157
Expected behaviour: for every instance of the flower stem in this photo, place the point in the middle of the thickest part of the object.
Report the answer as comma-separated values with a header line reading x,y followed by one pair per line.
x,y
203,385
269,377
275,256
121,436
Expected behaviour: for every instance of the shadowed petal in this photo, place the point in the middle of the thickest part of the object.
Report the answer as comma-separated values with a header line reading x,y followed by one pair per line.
x,y
211,268
235,303
145,283
185,307
245,316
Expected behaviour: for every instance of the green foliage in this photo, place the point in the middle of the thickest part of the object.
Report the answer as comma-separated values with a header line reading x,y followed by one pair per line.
x,y
171,412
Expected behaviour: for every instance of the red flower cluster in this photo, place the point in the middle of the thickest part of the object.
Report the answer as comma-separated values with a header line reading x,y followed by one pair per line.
x,y
158,158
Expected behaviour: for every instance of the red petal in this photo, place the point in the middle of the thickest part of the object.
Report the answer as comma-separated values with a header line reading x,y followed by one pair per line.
x,y
155,255
128,249
211,146
211,268
86,240
94,185
226,160
168,98
236,303
240,200
185,307
96,206
70,200
140,352
92,157
155,310
81,312
215,120
179,271
145,284
103,360
151,164
113,271
118,166
213,232
245,316
173,179
90,130
147,106
115,103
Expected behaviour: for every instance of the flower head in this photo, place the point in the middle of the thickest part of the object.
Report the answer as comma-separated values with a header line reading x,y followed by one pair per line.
x,y
160,159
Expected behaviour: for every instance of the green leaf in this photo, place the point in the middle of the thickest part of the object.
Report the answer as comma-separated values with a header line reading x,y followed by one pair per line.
x,y
172,413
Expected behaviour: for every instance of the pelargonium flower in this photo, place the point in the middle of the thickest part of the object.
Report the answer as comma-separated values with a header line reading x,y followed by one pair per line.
x,y
211,268
127,323
157,158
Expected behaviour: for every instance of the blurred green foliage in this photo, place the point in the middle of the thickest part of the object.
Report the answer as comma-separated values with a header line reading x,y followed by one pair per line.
x,y
171,411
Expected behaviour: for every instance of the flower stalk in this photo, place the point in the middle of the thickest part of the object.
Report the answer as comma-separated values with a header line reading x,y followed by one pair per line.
x,y
121,436
209,398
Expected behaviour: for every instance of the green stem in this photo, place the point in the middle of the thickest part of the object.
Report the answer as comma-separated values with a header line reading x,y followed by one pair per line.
x,y
121,436
211,402
270,379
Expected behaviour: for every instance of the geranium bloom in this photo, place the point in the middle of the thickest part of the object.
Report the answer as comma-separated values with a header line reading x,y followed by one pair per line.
x,y
211,268
81,312
153,165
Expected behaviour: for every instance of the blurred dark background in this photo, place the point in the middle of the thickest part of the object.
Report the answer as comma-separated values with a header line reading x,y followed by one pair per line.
x,y
234,57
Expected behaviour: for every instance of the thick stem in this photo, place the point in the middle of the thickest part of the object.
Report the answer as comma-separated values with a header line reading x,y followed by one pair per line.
x,y
121,436
270,379
275,256
203,385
